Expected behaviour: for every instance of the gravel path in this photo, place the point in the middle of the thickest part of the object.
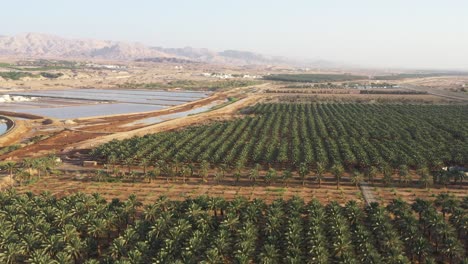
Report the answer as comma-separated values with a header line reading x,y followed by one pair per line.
x,y
367,192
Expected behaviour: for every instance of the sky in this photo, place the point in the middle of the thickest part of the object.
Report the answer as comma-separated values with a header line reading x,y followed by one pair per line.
x,y
383,33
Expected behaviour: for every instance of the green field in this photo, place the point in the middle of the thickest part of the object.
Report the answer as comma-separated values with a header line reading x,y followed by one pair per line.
x,y
192,85
418,75
19,75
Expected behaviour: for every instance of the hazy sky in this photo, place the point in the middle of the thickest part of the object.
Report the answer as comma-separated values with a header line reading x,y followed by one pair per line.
x,y
388,33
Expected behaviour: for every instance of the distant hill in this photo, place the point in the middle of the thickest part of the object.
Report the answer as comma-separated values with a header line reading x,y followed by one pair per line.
x,y
42,45
36,45
223,57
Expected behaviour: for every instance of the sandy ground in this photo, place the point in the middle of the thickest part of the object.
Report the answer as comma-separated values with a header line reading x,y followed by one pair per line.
x,y
17,133
176,189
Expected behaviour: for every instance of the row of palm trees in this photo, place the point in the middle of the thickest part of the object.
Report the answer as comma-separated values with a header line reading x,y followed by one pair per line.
x,y
88,229
30,168
144,169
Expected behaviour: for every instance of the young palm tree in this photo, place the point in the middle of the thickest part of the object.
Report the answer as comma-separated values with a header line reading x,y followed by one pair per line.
x,y
204,167
287,174
128,162
185,172
357,178
271,176
144,164
100,175
218,176
254,172
424,175
238,171
402,173
337,171
10,167
371,172
320,170
303,171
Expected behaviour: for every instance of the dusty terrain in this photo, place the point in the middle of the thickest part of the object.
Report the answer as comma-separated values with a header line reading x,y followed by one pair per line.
x,y
176,189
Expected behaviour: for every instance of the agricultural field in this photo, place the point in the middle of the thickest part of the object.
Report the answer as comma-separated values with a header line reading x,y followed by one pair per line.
x,y
87,229
417,75
389,139
192,85
313,78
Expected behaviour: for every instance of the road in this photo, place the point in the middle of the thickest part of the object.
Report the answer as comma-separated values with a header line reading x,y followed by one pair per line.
x,y
436,92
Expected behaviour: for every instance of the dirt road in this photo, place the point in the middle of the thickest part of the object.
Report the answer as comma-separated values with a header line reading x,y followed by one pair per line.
x,y
367,193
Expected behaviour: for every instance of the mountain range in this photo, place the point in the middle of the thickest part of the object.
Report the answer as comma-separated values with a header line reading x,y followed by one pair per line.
x,y
37,45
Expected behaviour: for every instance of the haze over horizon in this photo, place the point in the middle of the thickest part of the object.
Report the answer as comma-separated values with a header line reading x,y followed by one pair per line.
x,y
410,34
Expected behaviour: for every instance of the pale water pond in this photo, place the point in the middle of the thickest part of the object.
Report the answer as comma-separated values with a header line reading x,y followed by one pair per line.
x,y
82,103
3,128
162,118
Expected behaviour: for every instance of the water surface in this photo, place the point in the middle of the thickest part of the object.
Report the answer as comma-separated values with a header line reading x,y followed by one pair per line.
x,y
162,118
72,112
3,128
81,103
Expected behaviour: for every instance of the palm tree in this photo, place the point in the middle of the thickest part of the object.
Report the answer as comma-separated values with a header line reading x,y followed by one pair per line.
x,y
303,171
420,206
337,171
446,202
97,229
111,160
218,176
75,248
100,175
269,255
320,170
254,172
185,172
28,164
224,168
270,176
424,176
287,174
387,174
402,172
9,166
420,248
144,163
128,162
12,253
204,167
155,172
356,178
213,256
371,172
238,172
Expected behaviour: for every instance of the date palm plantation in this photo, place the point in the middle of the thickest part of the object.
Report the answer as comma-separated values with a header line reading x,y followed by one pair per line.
x,y
87,229
234,132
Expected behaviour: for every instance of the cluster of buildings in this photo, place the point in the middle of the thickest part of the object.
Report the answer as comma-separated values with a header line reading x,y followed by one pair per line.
x,y
229,75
